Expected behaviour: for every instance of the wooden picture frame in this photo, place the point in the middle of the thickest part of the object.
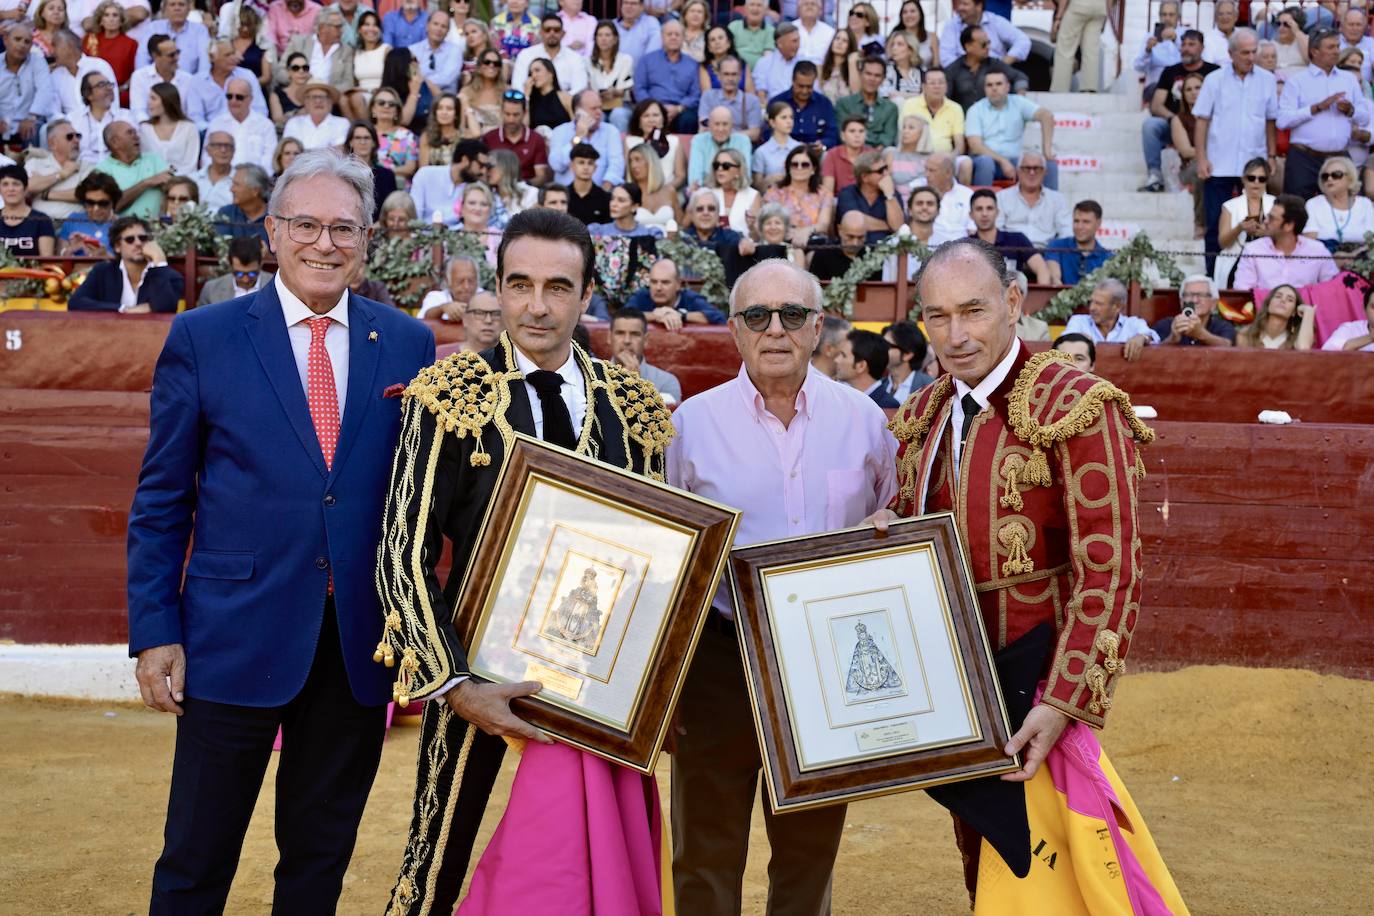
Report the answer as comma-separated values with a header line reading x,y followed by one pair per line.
x,y
867,662
596,582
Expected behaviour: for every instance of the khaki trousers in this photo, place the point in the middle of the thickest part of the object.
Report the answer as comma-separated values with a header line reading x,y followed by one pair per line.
x,y
715,781
1082,25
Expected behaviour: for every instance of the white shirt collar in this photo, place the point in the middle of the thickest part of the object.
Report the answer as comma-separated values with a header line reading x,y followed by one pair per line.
x,y
572,375
297,311
993,380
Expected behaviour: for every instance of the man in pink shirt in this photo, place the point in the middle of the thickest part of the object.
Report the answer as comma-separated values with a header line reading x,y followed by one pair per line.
x,y
286,18
799,454
1284,254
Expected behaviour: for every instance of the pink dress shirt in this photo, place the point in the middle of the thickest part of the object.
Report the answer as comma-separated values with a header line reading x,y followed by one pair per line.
x,y
1263,265
832,467
281,24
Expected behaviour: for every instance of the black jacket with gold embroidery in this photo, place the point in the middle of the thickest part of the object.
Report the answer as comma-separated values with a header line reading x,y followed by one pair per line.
x,y
458,419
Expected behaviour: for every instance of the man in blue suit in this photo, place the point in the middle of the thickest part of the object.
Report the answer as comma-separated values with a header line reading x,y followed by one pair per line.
x,y
138,282
269,452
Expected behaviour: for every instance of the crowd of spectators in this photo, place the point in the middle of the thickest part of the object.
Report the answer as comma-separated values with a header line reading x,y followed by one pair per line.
x,y
754,129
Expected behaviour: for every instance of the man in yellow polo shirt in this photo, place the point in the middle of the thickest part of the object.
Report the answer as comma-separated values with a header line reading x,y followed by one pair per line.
x,y
945,118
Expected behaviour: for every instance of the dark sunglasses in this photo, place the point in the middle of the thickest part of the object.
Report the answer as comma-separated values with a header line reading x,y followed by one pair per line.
x,y
298,68
246,274
386,103
492,62
237,96
70,136
140,237
1257,179
97,203
799,164
724,165
1327,176
759,318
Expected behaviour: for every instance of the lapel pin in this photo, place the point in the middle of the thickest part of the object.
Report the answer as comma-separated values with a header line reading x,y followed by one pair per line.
x,y
372,335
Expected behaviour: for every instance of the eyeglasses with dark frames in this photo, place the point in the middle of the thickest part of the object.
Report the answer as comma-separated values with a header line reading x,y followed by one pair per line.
x,y
800,164
138,237
759,318
306,231
237,96
98,203
724,165
1328,176
1257,179
298,68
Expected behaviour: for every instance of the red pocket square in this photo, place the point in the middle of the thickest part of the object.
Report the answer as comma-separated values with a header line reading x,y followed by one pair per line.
x,y
393,391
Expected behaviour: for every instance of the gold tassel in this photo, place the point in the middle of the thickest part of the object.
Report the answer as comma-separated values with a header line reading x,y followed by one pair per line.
x,y
1011,496
1109,644
405,679
1012,536
1096,679
1037,470
1139,465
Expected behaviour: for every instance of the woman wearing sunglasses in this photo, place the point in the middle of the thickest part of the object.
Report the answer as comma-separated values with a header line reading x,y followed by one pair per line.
x,y
1339,213
481,97
739,203
809,208
1242,219
287,101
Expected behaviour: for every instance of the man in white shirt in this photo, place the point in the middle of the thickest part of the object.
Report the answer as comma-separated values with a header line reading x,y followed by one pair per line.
x,y
315,126
440,61
1030,208
257,135
1161,47
956,200
214,82
449,303
570,66
99,91
163,69
1216,48
438,188
70,67
815,34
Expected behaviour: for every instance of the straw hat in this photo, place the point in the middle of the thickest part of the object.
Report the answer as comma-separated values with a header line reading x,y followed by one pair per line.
x,y
314,84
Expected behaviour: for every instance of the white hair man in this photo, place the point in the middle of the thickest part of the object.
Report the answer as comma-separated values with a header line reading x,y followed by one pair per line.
x,y
256,135
777,406
271,622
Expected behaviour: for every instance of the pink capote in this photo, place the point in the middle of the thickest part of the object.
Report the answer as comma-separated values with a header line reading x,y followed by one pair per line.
x,y
580,836
1335,304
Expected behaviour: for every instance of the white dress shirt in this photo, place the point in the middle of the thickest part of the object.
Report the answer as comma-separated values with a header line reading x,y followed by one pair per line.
x,y
982,394
92,130
128,296
815,44
1239,110
573,392
145,78
335,339
255,138
1328,130
68,87
332,131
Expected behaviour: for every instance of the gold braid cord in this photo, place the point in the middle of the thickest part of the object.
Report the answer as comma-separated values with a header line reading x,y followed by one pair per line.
x,y
644,418
910,429
1035,472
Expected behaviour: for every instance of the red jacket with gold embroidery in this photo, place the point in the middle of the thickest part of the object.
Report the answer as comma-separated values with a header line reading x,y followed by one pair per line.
x,y
1045,501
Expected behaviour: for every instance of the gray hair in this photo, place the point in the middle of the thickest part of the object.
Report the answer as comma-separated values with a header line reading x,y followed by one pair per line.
x,y
329,17
459,259
832,329
1200,278
1240,34
1173,3
1346,164
1220,3
867,162
772,211
813,286
700,192
257,177
66,37
1022,282
400,200
1114,288
328,161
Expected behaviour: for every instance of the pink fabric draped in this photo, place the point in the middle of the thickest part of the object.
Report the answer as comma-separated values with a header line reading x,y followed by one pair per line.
x,y
1075,766
1335,302
580,837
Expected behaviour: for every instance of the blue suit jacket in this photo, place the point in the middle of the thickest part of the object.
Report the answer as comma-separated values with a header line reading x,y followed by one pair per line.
x,y
234,467
161,288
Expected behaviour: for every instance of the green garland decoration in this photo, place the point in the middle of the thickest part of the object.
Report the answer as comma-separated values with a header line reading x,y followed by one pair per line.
x,y
700,262
839,295
18,289
1128,264
193,227
398,262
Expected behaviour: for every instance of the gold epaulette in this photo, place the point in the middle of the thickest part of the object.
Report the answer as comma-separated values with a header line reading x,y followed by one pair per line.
x,y
464,393
911,429
1047,422
647,420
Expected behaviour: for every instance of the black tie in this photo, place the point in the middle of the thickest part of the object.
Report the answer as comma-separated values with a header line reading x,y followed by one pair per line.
x,y
558,427
971,410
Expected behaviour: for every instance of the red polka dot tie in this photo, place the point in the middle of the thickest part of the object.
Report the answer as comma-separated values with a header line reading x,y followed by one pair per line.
x,y
320,391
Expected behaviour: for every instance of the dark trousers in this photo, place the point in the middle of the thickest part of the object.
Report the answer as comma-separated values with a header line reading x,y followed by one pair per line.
x,y
687,121
715,782
1300,172
1215,193
331,746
